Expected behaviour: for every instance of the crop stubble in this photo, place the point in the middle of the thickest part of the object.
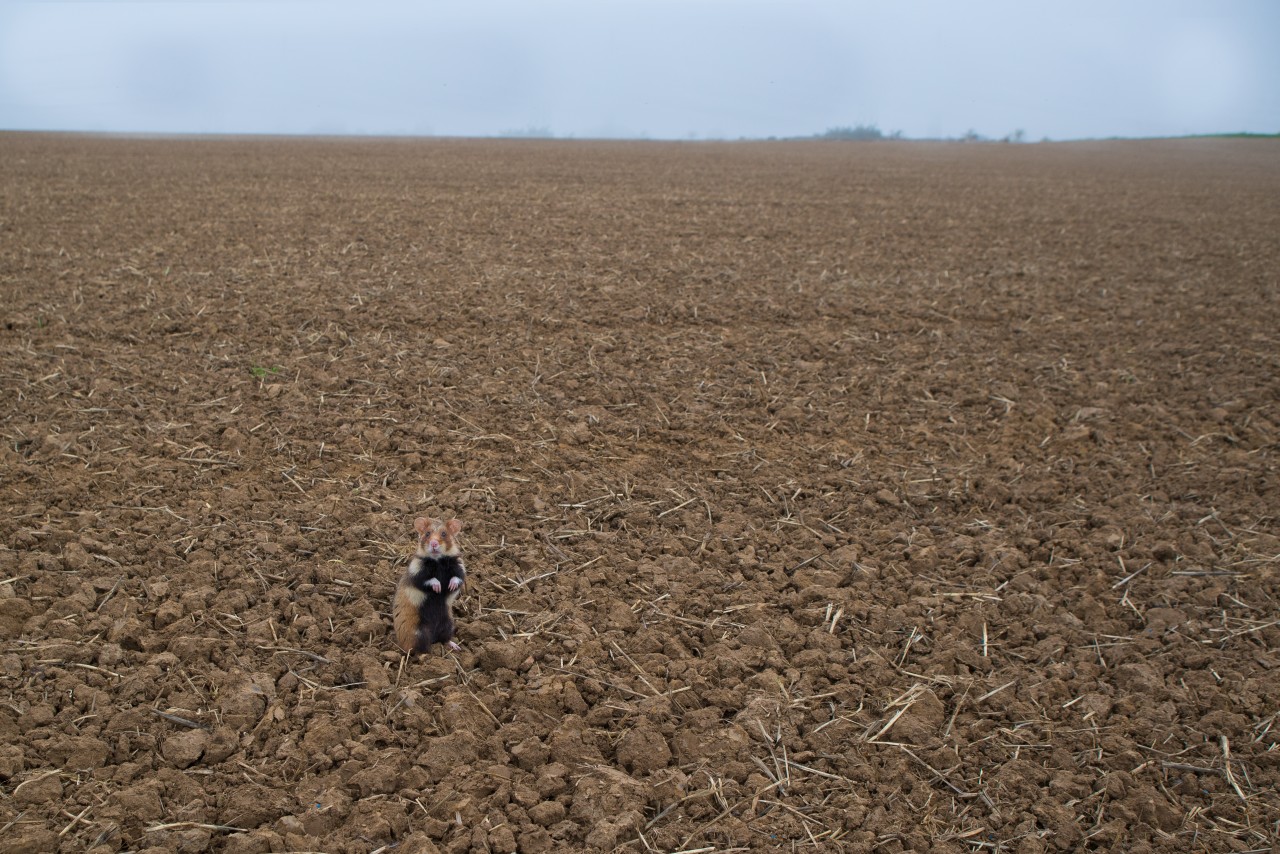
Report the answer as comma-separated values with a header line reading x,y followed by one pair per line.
x,y
828,496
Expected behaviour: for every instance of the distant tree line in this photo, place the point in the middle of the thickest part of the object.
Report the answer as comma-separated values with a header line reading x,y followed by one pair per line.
x,y
858,132
871,133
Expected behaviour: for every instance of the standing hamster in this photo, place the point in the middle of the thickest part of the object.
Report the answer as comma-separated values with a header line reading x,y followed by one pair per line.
x,y
422,609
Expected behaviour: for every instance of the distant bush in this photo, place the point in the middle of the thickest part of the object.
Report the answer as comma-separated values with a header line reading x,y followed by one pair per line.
x,y
861,132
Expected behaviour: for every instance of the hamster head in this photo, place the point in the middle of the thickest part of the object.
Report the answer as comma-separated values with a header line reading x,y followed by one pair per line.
x,y
437,539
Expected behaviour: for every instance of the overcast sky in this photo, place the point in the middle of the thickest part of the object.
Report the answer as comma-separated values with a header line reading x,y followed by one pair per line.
x,y
679,69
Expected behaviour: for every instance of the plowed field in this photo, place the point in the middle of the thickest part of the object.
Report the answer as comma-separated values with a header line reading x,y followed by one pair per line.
x,y
817,496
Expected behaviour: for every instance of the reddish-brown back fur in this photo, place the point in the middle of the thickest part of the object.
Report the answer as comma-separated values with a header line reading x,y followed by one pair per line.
x,y
404,615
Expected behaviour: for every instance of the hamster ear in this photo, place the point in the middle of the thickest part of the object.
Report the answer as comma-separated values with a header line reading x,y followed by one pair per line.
x,y
422,525
453,526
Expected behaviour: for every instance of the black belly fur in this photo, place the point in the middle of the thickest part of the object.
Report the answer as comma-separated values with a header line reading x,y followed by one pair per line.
x,y
435,618
435,623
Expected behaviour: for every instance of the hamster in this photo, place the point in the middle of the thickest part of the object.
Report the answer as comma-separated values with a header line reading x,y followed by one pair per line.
x,y
422,608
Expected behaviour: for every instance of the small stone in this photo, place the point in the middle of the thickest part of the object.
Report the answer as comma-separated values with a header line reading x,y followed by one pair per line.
x,y
184,749
547,813
417,843
536,841
502,840
643,750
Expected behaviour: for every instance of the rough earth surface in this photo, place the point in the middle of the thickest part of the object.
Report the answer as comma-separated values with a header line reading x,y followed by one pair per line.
x,y
817,496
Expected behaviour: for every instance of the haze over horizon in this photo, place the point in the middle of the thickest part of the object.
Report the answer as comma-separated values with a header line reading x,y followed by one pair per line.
x,y
671,70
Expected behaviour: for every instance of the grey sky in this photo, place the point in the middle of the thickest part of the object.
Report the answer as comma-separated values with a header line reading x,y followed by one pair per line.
x,y
696,68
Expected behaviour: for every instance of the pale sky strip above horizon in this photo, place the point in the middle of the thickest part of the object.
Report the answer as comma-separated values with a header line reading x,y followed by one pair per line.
x,y
609,68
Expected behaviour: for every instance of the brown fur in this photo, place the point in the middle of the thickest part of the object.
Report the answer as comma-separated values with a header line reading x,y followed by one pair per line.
x,y
405,616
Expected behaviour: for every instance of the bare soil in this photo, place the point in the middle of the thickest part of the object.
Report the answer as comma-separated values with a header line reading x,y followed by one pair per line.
x,y
818,496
